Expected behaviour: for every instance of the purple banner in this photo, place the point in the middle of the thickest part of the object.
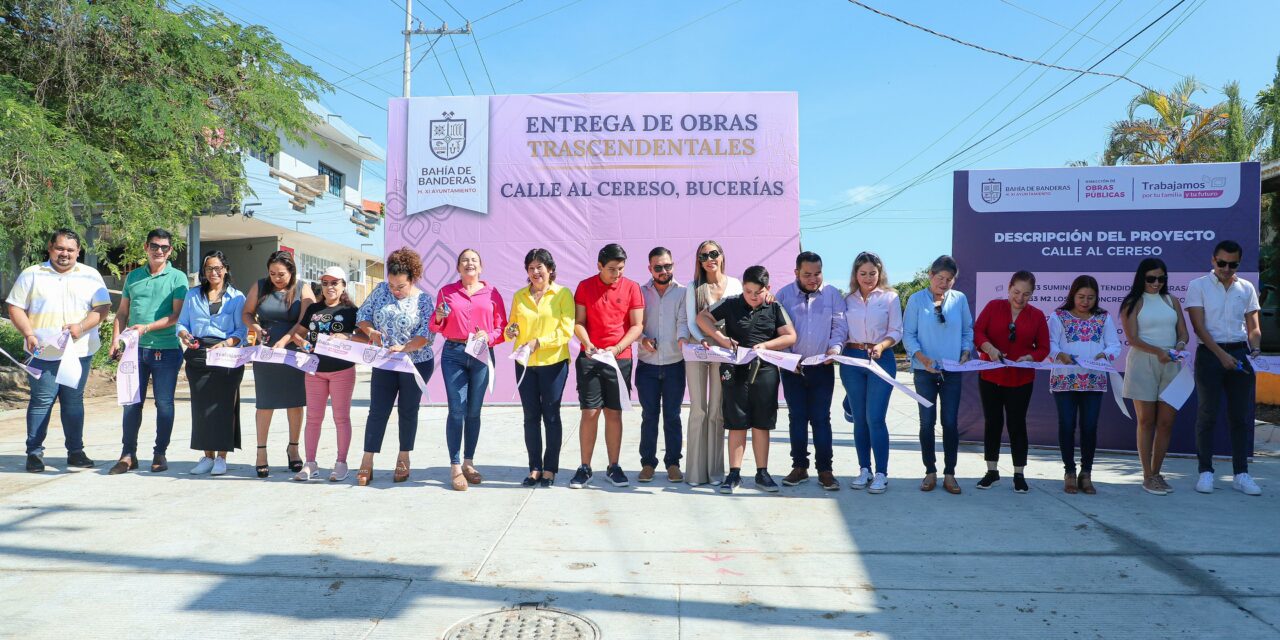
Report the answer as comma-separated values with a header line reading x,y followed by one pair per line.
x,y
1100,221
574,172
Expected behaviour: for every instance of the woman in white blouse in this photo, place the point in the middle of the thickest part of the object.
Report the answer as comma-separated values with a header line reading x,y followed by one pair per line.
x,y
1080,331
873,316
704,455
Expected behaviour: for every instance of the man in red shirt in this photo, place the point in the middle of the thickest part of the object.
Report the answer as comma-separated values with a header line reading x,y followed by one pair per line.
x,y
610,316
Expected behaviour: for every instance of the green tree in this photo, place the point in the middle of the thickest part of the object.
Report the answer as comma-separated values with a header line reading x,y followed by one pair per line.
x,y
1180,131
125,115
1268,106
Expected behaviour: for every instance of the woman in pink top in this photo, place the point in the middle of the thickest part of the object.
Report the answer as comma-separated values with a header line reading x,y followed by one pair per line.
x,y
874,320
467,310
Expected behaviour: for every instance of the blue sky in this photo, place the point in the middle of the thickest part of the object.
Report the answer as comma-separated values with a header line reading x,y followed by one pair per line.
x,y
881,104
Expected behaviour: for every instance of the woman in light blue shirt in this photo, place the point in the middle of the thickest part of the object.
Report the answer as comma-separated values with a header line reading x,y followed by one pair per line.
x,y
938,325
210,319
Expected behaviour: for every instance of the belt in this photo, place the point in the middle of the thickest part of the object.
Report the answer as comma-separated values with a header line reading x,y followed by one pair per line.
x,y
864,346
455,340
1231,345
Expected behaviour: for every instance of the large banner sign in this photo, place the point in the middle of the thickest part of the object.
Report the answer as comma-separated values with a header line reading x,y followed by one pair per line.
x,y
1100,221
571,173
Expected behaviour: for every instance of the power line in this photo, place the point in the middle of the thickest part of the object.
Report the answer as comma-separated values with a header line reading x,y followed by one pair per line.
x,y
447,84
455,10
975,111
484,66
1010,56
1086,35
424,6
1002,127
424,55
464,71
495,12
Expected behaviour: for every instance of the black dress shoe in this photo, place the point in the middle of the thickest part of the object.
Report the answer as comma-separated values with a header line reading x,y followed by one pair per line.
x,y
35,464
529,481
159,464
546,482
79,460
123,466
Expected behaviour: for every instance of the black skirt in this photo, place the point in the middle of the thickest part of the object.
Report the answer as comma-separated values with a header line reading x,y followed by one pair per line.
x,y
215,401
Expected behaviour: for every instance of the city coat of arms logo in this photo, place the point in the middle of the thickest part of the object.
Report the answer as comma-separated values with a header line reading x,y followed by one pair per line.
x,y
448,137
991,191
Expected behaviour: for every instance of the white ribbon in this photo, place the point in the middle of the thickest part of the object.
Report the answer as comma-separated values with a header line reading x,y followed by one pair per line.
x,y
1180,388
478,348
521,354
34,372
128,382
624,392
1113,377
69,368
377,357
788,361
872,366
235,357
741,355
1266,364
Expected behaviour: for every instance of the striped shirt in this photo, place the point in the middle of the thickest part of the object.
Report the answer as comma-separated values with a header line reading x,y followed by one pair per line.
x,y
53,300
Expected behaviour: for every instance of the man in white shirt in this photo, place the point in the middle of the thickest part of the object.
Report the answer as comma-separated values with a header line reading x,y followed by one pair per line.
x,y
1224,314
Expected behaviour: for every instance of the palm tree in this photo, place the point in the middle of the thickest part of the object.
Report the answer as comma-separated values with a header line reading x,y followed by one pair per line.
x,y
1180,132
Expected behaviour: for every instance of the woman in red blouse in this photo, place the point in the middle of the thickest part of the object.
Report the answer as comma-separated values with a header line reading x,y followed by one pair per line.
x,y
1009,330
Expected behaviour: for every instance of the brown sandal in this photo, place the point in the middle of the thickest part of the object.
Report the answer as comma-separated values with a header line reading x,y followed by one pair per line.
x,y
364,476
402,471
1069,483
459,482
473,477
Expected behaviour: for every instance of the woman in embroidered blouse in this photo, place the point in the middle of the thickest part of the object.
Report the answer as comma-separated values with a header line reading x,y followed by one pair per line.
x,y
874,319
468,309
396,316
1079,331
542,316
1009,330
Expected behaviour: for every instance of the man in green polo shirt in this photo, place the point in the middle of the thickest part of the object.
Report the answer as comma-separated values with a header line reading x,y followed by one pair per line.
x,y
149,304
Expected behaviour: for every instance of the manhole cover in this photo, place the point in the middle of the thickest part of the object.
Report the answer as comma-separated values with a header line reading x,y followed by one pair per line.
x,y
526,622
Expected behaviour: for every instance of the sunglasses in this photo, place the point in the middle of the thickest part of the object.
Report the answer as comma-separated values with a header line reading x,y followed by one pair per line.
x,y
1013,332
937,313
662,268
1160,279
1223,264
710,255
162,248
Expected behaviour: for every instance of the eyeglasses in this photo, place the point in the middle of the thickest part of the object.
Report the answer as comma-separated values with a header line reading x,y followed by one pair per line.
x,y
1013,332
330,283
1223,264
1160,279
215,270
162,248
937,313
663,268
710,255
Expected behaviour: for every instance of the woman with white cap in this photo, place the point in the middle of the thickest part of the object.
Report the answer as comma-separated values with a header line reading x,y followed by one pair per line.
x,y
334,380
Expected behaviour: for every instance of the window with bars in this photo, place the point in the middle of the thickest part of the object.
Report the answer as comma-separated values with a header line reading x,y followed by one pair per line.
x,y
336,179
312,267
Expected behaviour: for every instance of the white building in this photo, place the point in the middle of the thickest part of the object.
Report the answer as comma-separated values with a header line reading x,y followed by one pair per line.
x,y
309,199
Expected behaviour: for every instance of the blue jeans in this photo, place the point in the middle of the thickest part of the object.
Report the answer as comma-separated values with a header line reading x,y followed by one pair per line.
x,y
930,386
161,367
388,388
867,398
1212,382
808,398
1082,407
661,391
540,393
465,381
43,392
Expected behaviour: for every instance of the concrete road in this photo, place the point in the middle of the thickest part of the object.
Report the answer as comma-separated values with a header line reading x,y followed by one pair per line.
x,y
170,555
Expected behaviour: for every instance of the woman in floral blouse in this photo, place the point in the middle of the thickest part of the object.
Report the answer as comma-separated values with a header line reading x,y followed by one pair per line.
x,y
1080,330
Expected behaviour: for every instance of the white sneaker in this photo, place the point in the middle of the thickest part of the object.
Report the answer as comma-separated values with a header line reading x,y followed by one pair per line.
x,y
1205,483
861,480
310,471
219,467
202,467
1245,484
879,484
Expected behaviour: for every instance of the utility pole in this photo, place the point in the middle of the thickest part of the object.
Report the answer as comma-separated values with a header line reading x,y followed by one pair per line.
x,y
409,32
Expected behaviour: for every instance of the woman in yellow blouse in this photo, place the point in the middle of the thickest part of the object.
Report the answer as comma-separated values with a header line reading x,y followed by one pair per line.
x,y
541,322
